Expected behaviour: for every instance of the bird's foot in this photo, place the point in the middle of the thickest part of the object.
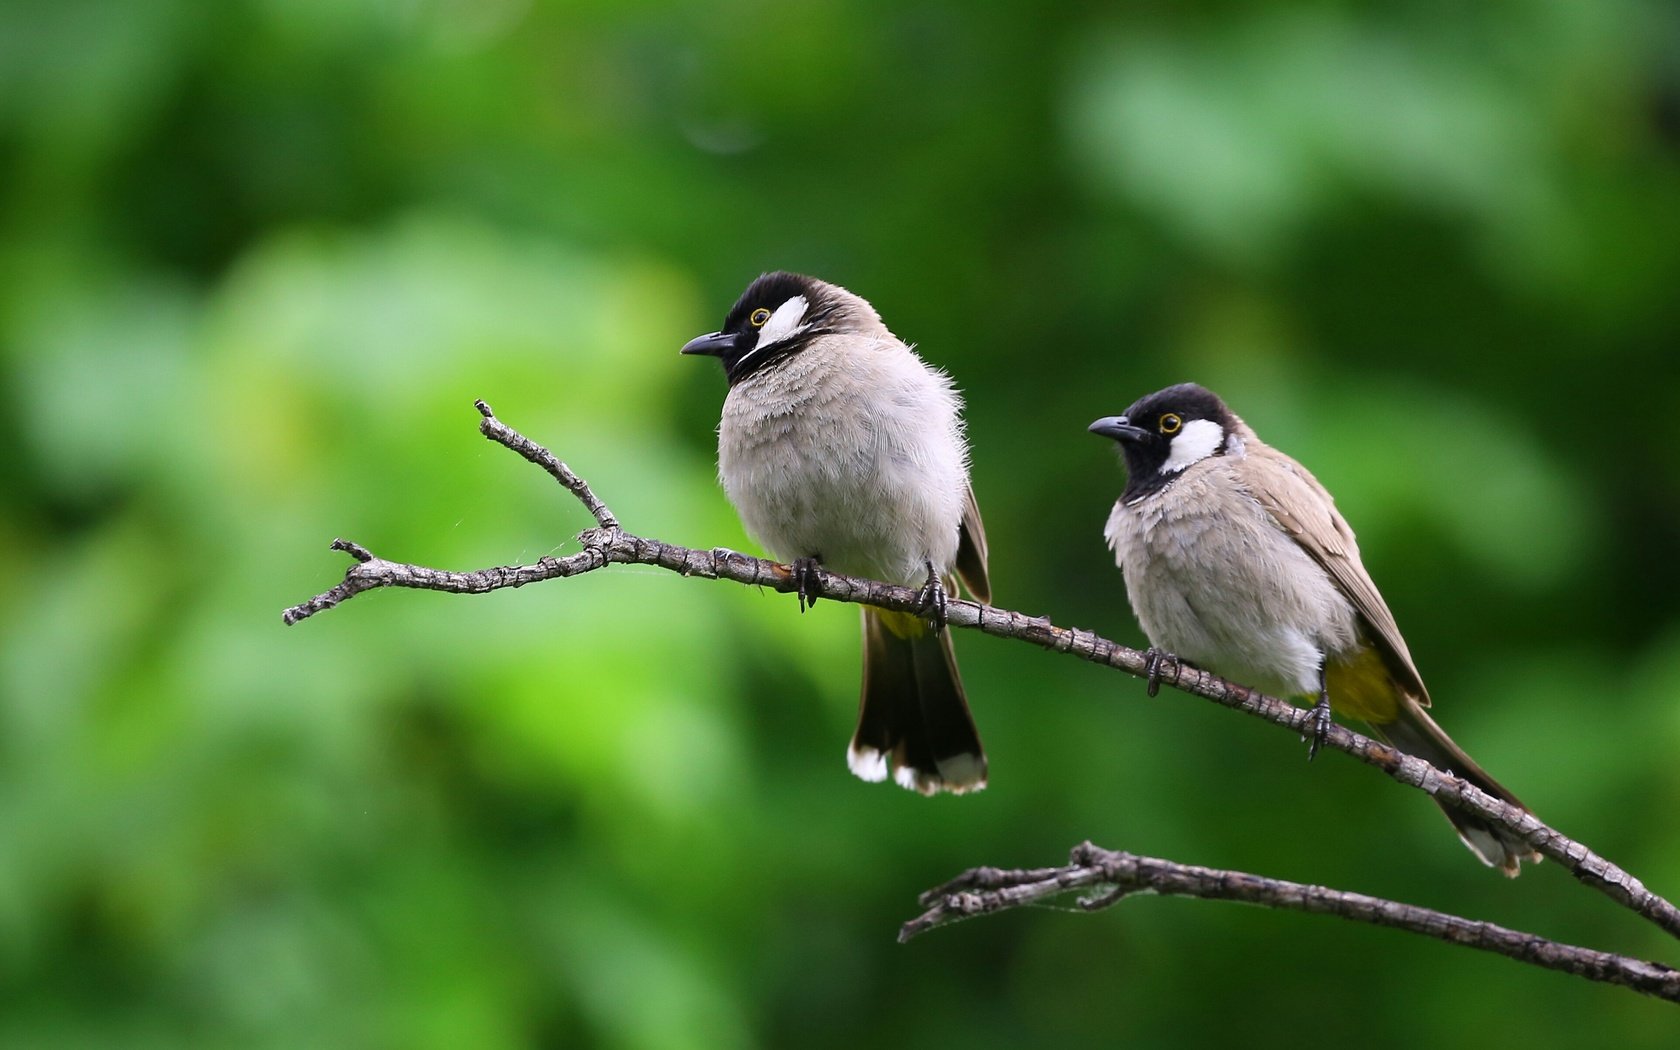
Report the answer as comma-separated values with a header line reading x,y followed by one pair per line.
x,y
1155,662
930,600
1320,725
808,576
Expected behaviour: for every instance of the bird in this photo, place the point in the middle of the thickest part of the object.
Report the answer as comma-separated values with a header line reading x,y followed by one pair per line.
x,y
1237,561
841,449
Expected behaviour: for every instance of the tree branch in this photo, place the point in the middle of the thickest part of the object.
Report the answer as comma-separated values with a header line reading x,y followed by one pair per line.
x,y
1119,875
609,544
502,434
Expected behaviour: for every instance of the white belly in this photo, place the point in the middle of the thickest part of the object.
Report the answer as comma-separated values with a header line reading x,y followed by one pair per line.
x,y
1214,580
851,453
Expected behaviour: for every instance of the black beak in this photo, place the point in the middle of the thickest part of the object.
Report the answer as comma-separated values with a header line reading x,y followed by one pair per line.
x,y
714,345
1119,428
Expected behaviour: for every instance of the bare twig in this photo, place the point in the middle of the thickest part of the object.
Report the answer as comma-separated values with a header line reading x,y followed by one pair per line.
x,y
1119,875
502,434
609,544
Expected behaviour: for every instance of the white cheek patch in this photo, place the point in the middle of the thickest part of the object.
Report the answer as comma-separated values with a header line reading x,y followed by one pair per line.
x,y
1199,439
783,323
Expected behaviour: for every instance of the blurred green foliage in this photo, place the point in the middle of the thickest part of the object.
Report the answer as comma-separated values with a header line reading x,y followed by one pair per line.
x,y
257,259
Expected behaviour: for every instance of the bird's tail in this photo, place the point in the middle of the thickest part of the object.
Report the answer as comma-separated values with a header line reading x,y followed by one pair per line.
x,y
1415,733
913,720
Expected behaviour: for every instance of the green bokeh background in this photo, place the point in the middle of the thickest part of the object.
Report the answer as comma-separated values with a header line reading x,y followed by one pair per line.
x,y
257,259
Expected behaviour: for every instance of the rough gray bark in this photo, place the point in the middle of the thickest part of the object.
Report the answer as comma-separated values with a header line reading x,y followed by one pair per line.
x,y
1118,875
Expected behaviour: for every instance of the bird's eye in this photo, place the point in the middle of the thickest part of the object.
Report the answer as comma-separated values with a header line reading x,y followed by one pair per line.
x,y
758,317
1171,423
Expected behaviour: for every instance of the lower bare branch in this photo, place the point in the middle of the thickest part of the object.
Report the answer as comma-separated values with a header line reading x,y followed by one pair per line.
x,y
983,891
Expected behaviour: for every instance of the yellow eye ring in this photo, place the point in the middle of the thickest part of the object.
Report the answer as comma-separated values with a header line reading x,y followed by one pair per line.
x,y
758,317
1171,423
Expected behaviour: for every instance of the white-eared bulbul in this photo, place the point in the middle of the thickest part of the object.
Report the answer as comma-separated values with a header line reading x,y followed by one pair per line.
x,y
1237,561
840,448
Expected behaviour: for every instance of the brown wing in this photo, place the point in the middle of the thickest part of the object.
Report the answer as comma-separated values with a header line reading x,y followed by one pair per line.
x,y
971,551
1306,511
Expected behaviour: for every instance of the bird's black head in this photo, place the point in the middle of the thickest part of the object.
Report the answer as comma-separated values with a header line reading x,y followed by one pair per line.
x,y
1166,432
777,316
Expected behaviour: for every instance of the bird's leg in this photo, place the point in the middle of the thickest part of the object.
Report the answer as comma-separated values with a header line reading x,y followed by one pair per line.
x,y
930,601
808,575
1321,717
1155,662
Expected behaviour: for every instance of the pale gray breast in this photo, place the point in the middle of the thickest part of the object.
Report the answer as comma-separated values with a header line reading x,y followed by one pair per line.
x,y
1212,578
850,449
